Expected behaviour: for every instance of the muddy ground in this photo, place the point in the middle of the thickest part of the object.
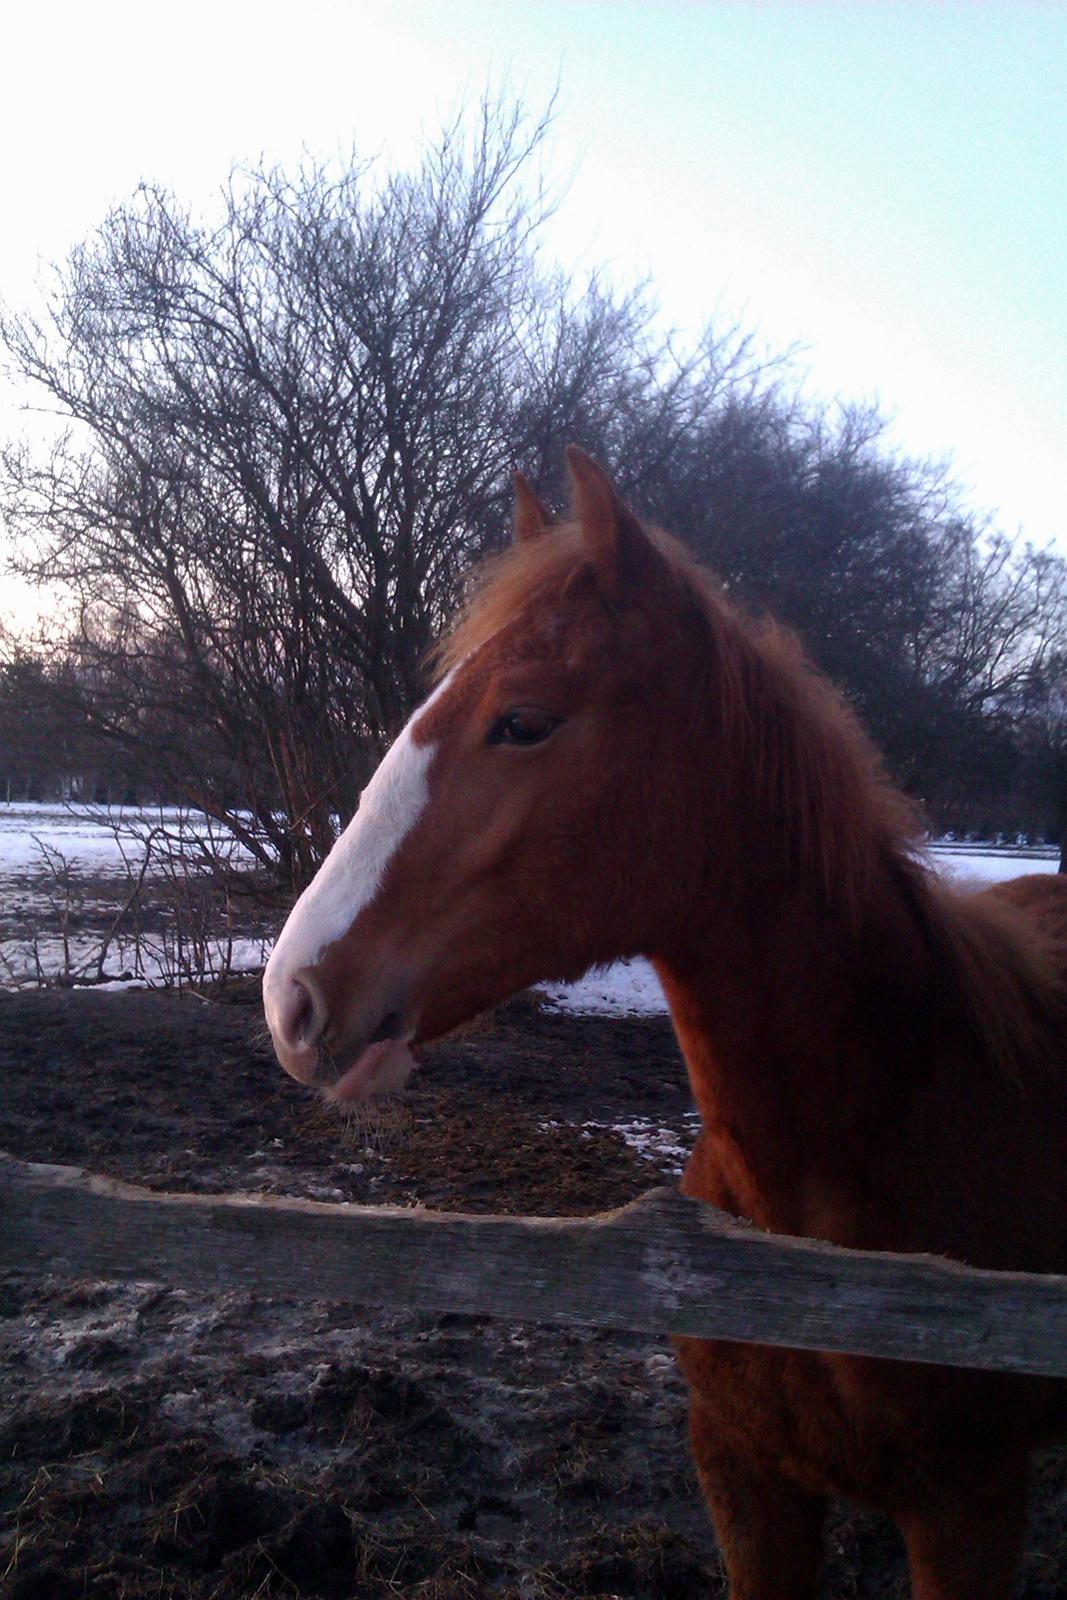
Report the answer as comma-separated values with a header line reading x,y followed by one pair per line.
x,y
175,1445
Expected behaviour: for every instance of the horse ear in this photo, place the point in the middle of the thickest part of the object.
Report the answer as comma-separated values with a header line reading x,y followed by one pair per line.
x,y
532,517
614,539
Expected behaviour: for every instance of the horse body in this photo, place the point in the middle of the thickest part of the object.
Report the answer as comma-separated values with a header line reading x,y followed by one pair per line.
x,y
617,763
914,1150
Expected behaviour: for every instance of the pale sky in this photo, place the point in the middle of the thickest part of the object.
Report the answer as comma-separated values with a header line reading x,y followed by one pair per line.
x,y
884,184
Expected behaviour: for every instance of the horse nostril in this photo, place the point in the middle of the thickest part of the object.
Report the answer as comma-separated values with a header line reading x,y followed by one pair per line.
x,y
303,1015
308,1017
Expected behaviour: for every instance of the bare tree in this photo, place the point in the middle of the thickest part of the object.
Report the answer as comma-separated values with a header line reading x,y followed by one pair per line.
x,y
289,434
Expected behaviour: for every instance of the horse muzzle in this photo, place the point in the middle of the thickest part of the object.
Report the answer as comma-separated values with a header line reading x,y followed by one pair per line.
x,y
347,1059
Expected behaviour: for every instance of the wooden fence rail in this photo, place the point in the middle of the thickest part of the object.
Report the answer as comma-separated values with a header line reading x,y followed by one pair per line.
x,y
662,1264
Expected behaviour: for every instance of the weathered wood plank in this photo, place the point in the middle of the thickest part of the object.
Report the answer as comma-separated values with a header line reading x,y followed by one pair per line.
x,y
662,1264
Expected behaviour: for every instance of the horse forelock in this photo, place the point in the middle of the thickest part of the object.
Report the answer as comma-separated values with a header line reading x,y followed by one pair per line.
x,y
506,588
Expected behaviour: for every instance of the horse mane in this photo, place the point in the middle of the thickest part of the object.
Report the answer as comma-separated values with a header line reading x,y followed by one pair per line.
x,y
997,970
849,831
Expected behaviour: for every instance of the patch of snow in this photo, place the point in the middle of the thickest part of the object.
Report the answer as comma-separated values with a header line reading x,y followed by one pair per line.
x,y
627,989
95,836
652,1141
149,963
104,851
986,864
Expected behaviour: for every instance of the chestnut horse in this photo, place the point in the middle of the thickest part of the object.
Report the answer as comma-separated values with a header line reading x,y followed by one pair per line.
x,y
616,762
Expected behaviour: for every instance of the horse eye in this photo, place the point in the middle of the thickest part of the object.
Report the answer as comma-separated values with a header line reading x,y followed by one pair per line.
x,y
523,726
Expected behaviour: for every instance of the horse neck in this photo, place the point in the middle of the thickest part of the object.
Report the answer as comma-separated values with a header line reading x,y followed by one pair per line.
x,y
798,974
796,1028
877,1061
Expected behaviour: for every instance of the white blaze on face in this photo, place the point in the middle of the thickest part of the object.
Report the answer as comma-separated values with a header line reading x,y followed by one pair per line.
x,y
352,873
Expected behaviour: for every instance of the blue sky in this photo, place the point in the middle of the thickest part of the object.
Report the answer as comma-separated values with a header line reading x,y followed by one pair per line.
x,y
883,184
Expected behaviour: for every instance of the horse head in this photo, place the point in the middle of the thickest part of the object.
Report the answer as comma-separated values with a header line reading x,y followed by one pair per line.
x,y
507,836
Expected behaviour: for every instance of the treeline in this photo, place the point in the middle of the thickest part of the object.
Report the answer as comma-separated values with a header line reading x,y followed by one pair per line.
x,y
290,435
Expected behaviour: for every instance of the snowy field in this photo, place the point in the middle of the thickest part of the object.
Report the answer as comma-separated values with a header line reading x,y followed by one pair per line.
x,y
64,871
73,906
94,838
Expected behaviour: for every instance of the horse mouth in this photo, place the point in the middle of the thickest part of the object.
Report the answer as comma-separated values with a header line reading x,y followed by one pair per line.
x,y
382,1066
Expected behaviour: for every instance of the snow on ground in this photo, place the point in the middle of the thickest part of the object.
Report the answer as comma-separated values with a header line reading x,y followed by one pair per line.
x,y
74,866
149,962
653,1141
972,863
627,989
94,838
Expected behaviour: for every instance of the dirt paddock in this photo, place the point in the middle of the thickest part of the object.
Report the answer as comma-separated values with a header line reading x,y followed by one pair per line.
x,y
165,1443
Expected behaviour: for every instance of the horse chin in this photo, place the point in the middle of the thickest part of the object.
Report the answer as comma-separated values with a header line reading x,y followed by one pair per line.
x,y
382,1069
